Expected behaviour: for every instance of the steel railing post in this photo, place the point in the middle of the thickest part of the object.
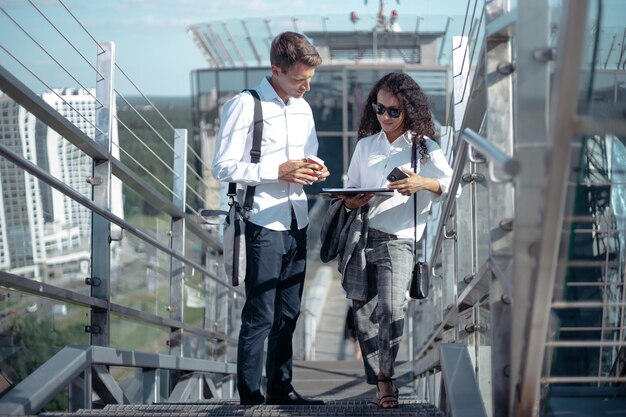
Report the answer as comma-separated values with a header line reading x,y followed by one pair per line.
x,y
101,193
177,240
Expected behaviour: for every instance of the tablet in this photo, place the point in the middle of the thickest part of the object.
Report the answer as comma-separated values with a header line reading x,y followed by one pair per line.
x,y
353,191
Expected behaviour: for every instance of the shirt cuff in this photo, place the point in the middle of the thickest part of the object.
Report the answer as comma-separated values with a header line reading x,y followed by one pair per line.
x,y
268,172
444,190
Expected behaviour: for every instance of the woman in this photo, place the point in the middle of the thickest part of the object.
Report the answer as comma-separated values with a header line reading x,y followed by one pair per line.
x,y
396,116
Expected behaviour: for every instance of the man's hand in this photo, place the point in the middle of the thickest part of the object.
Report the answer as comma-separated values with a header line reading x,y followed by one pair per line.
x,y
302,172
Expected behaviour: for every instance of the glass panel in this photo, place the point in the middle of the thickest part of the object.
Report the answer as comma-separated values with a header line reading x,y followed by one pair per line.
x,y
603,55
331,151
360,82
433,83
43,234
595,267
255,77
206,81
146,144
325,99
145,216
41,240
141,277
620,94
128,334
230,82
208,304
34,328
205,96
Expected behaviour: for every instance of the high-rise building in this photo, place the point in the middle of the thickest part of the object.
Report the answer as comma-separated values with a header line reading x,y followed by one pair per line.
x,y
21,209
44,234
67,162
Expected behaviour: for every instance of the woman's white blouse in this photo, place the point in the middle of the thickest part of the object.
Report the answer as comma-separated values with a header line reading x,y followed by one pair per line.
x,y
373,159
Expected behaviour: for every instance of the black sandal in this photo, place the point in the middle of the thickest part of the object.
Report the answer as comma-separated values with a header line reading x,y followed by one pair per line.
x,y
386,399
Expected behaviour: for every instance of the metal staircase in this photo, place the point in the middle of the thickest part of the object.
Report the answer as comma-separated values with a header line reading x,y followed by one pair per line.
x,y
526,314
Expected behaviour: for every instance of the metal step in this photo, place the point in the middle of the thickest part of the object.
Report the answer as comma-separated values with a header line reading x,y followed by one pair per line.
x,y
408,407
340,383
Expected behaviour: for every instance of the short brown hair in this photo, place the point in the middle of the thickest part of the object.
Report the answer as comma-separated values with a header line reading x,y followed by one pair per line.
x,y
289,48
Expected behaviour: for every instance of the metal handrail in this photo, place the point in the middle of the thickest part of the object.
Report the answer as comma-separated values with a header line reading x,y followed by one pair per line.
x,y
509,165
36,390
460,156
60,294
24,96
89,204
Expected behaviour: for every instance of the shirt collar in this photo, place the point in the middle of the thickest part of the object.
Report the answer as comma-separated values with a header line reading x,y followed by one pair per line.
x,y
267,91
403,141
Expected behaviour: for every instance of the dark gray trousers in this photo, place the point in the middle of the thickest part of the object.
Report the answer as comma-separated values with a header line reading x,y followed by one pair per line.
x,y
379,320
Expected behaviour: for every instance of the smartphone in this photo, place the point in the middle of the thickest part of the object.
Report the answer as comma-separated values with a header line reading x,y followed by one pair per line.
x,y
396,174
315,160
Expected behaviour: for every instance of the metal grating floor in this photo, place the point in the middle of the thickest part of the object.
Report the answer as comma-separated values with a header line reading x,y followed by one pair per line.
x,y
340,383
231,408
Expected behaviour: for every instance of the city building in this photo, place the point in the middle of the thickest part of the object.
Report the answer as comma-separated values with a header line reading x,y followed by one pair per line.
x,y
354,57
22,248
45,235
525,312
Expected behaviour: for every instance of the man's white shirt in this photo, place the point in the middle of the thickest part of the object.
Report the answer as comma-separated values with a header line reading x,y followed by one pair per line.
x,y
288,134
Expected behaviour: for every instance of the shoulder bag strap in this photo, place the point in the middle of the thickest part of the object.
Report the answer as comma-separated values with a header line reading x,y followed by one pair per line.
x,y
414,166
255,151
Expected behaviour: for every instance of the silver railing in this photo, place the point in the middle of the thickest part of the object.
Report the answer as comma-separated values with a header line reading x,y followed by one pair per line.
x,y
120,289
525,312
100,304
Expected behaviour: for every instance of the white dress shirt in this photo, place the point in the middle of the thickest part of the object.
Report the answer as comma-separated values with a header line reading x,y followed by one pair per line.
x,y
373,159
288,133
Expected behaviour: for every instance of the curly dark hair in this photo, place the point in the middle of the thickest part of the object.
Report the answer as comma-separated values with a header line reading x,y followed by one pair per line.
x,y
417,116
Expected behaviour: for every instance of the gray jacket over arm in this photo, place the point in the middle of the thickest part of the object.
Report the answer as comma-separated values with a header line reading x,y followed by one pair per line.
x,y
344,234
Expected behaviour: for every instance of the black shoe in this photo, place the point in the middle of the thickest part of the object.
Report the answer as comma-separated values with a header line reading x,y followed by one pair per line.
x,y
254,399
291,398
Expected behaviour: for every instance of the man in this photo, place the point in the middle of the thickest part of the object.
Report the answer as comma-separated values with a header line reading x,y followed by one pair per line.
x,y
277,224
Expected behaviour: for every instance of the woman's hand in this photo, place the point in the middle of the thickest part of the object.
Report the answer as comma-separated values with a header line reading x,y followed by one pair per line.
x,y
354,201
414,183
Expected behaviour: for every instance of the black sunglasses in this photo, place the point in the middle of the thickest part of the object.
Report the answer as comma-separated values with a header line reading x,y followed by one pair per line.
x,y
391,111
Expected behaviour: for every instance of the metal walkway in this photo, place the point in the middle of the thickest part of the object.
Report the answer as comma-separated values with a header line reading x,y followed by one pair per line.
x,y
339,383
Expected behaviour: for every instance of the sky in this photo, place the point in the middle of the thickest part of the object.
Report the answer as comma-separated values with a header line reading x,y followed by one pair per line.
x,y
153,48
152,45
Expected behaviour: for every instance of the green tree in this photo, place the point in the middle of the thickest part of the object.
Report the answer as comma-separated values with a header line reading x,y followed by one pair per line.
x,y
34,341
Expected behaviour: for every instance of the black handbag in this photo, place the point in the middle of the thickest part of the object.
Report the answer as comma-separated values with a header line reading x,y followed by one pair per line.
x,y
420,281
420,277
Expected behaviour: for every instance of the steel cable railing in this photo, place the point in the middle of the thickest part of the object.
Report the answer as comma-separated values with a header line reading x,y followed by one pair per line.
x,y
148,171
89,204
196,266
152,128
56,61
473,40
494,156
50,88
68,41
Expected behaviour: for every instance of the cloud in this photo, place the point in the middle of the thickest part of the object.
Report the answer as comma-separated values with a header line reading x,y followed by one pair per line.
x,y
212,9
152,22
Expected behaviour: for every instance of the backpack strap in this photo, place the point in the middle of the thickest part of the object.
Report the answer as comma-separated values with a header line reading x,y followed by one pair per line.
x,y
255,151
